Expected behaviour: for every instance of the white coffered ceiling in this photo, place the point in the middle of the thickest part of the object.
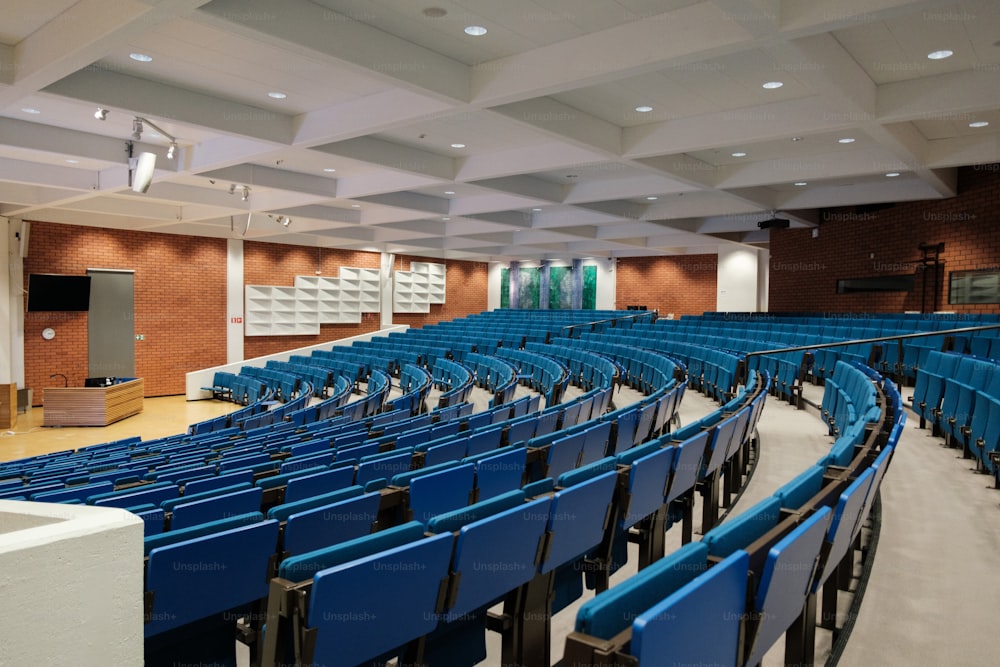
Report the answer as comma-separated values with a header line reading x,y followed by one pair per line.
x,y
524,142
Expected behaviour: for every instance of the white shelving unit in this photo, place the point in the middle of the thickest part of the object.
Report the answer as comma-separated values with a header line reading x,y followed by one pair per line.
x,y
415,290
273,310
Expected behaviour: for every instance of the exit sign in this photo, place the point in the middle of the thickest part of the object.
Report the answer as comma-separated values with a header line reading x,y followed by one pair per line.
x,y
236,319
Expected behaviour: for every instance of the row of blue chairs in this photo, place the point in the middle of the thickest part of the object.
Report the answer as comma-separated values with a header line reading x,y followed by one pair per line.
x,y
730,597
454,380
468,561
958,395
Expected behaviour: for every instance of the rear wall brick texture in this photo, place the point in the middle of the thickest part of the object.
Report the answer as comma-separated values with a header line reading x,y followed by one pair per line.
x,y
679,284
180,300
862,243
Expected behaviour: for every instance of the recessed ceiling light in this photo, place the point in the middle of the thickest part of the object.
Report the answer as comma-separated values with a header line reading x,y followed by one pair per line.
x,y
845,140
738,154
800,183
651,198
435,12
475,30
979,123
892,174
772,85
458,145
449,192
796,138
141,57
72,161
329,170
536,210
275,95
645,108
355,205
446,218
940,55
30,110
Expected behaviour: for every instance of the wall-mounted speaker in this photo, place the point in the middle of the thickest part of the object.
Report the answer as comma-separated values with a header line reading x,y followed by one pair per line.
x,y
143,174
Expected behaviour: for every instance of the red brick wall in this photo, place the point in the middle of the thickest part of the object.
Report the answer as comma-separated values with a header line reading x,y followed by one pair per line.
x,y
465,291
278,264
180,304
852,244
679,284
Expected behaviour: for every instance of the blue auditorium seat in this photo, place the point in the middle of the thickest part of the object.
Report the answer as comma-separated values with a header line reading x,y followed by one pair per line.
x,y
328,525
500,472
700,622
610,612
785,582
372,605
208,575
187,514
845,519
438,492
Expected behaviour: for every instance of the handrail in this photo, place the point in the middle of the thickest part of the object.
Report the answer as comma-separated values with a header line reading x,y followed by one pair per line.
x,y
639,313
861,341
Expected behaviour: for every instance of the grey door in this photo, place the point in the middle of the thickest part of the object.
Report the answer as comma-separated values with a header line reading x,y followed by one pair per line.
x,y
111,323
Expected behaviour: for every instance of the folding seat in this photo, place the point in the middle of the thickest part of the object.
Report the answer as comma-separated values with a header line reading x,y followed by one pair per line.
x,y
676,611
784,584
360,599
205,509
330,524
196,588
486,566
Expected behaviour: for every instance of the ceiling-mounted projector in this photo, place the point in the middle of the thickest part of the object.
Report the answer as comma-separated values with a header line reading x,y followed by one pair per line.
x,y
774,223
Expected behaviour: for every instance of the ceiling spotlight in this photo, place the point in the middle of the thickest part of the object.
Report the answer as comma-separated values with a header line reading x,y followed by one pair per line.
x,y
645,108
171,150
276,95
141,57
979,123
892,174
845,140
772,85
137,129
245,193
285,220
101,113
475,30
458,145
799,184
940,55
652,198
30,110
738,154
232,189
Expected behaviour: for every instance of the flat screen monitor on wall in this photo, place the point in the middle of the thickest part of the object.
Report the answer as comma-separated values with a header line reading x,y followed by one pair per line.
x,y
48,291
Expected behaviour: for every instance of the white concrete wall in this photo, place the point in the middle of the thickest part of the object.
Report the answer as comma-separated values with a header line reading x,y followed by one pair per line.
x,y
195,380
235,317
737,280
607,275
71,585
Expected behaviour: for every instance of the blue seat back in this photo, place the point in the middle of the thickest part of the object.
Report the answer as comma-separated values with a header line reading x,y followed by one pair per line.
x,y
208,575
699,623
218,507
785,581
328,525
489,562
371,605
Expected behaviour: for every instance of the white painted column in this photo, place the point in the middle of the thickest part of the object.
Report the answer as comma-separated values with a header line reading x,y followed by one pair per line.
x,y
737,280
12,306
386,260
763,278
235,317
